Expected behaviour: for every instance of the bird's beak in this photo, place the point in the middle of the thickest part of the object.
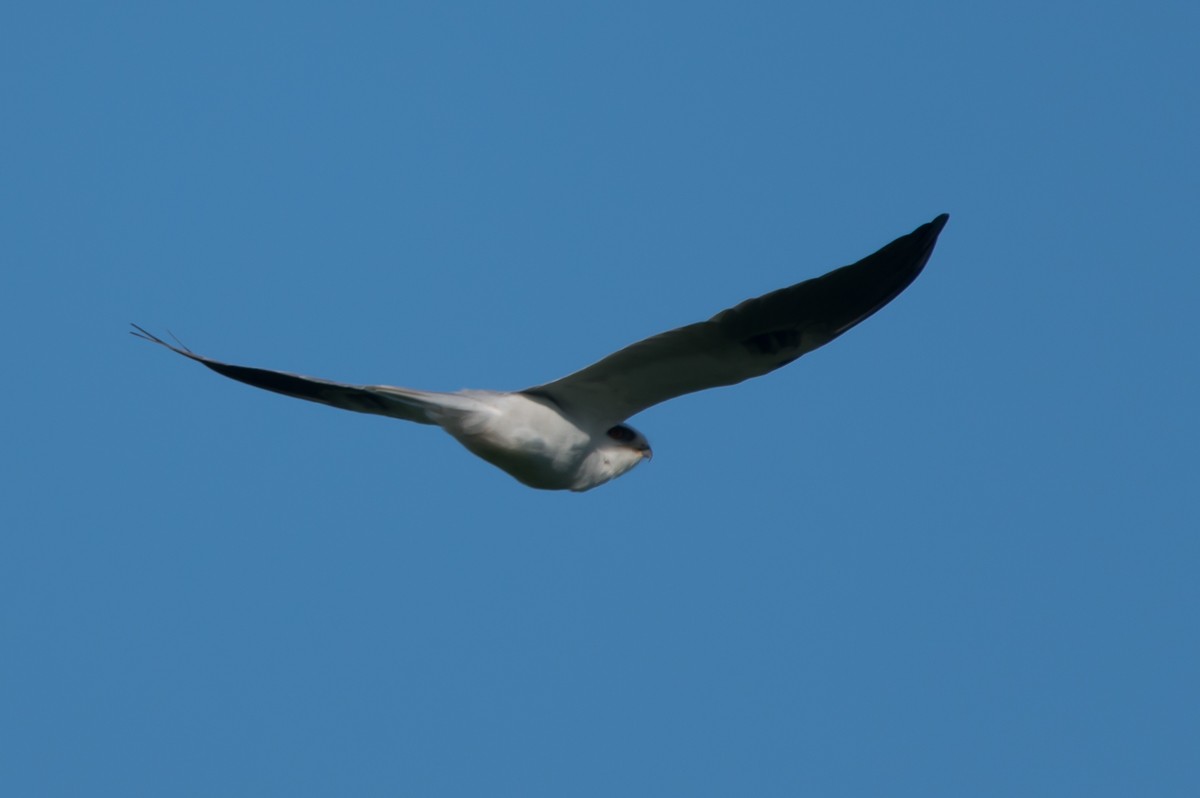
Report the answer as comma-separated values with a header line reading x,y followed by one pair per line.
x,y
647,453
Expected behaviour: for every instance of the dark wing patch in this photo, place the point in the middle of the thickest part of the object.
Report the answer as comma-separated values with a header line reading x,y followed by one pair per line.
x,y
545,396
773,342
622,434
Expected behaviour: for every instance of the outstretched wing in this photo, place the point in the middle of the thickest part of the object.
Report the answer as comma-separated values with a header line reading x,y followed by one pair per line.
x,y
381,400
748,340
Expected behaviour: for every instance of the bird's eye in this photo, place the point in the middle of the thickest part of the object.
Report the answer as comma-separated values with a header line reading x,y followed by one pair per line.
x,y
622,434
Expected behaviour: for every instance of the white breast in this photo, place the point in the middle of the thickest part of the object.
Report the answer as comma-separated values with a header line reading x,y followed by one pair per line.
x,y
528,438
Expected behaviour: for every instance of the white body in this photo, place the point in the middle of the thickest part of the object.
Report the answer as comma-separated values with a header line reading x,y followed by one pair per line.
x,y
534,442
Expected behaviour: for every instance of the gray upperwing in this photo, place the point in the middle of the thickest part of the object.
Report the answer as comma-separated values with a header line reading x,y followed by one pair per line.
x,y
748,340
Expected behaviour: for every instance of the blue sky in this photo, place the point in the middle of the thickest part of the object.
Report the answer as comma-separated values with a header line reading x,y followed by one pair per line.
x,y
952,553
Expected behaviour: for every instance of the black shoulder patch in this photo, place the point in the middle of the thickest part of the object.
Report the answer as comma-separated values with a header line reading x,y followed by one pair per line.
x,y
546,396
773,342
622,433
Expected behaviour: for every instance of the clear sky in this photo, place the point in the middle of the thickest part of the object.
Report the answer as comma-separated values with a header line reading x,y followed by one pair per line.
x,y
954,553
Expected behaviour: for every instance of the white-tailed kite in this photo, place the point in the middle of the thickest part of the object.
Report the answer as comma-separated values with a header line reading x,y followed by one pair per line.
x,y
570,434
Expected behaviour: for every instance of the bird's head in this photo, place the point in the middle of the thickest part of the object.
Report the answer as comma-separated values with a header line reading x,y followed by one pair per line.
x,y
616,451
623,436
621,449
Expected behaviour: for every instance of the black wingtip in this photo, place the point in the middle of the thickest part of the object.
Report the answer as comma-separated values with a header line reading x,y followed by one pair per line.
x,y
925,239
934,227
854,293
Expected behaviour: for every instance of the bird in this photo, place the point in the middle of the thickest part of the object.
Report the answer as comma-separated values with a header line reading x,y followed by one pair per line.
x,y
571,433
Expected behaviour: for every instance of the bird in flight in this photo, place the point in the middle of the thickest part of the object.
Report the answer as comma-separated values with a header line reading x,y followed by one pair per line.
x,y
570,434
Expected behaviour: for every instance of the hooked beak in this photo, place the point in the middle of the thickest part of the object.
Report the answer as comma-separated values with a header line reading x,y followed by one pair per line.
x,y
647,453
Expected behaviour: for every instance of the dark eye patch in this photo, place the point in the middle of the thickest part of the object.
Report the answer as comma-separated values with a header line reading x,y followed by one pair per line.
x,y
622,434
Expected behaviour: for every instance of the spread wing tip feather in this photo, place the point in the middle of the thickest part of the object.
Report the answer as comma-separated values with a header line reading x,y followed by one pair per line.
x,y
179,346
